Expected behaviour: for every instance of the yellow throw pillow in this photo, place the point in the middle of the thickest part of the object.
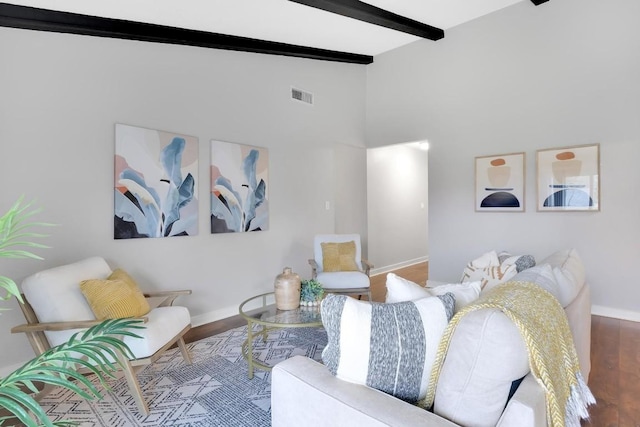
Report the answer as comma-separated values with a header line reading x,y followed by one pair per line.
x,y
120,274
116,297
339,256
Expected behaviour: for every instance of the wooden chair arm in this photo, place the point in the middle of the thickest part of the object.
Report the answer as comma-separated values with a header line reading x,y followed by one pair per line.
x,y
169,297
314,268
367,266
60,326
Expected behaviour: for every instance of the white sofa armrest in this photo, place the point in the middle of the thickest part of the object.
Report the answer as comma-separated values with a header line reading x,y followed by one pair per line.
x,y
527,407
304,392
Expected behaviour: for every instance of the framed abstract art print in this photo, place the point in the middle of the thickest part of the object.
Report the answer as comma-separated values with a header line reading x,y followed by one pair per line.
x,y
569,178
500,183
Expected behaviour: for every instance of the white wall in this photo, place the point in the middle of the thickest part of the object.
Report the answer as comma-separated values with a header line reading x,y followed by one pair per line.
x,y
350,179
522,79
60,98
397,200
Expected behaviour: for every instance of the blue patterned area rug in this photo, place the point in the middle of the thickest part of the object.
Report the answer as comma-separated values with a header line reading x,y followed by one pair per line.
x,y
213,391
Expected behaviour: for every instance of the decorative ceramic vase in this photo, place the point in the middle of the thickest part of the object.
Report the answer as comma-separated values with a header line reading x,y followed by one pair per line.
x,y
287,287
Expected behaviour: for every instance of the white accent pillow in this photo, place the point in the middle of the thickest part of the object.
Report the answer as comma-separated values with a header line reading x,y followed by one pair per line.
x,y
400,289
569,273
465,293
488,270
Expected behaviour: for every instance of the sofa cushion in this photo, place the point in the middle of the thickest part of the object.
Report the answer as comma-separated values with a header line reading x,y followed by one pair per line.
x,y
400,289
465,293
492,269
488,270
485,356
542,275
522,262
569,273
389,347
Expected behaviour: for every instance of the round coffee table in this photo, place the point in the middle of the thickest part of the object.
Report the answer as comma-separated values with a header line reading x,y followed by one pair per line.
x,y
269,317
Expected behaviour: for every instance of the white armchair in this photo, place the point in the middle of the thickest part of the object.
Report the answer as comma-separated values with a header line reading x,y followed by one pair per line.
x,y
352,280
55,309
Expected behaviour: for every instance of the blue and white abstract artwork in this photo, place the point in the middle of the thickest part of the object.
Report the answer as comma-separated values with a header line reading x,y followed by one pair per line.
x,y
239,184
155,183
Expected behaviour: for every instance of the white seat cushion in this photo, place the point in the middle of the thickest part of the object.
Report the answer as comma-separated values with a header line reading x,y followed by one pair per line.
x,y
344,280
55,294
164,323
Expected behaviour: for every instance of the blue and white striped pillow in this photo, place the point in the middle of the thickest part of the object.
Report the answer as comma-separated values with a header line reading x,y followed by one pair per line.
x,y
389,347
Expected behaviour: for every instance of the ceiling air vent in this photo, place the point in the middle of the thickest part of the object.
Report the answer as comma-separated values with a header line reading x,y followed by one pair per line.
x,y
302,96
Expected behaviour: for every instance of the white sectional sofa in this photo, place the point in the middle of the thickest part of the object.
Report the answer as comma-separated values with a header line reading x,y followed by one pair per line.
x,y
485,359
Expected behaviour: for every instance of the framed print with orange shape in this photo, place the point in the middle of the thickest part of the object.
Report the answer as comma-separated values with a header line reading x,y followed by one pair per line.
x,y
569,178
500,183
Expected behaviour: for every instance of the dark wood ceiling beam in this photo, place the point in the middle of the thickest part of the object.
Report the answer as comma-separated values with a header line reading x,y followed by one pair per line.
x,y
31,18
374,15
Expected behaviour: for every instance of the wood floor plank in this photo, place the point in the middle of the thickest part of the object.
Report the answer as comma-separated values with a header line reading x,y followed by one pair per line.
x,y
629,405
604,379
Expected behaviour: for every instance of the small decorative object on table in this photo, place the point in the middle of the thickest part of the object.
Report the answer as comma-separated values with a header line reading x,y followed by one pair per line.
x,y
311,292
287,287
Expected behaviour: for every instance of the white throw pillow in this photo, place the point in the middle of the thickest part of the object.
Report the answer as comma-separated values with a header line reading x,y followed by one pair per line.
x,y
465,293
389,347
400,289
488,270
569,273
522,262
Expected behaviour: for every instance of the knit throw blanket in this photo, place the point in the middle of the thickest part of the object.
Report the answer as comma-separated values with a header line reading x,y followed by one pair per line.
x,y
552,355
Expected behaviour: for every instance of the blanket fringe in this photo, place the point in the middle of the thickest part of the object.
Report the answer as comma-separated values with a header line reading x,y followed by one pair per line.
x,y
579,399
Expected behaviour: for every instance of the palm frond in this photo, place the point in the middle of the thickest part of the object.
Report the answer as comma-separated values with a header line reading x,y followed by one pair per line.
x,y
15,240
96,349
11,289
12,230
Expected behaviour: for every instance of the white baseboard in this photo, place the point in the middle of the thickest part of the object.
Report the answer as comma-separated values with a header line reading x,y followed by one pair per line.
x,y
223,313
215,315
616,313
388,268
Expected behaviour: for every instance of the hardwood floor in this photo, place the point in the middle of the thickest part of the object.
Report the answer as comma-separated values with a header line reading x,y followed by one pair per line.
x,y
615,357
615,372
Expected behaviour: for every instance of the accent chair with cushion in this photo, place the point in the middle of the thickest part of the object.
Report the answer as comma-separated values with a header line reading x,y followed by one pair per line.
x,y
338,264
61,301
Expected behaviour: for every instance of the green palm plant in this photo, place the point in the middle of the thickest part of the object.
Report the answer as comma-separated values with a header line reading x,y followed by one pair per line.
x,y
95,350
14,235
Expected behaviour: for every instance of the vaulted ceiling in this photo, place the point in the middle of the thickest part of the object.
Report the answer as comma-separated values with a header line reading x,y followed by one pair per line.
x,y
338,30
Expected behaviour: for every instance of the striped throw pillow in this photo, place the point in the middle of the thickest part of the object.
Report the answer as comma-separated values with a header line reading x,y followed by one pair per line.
x,y
389,347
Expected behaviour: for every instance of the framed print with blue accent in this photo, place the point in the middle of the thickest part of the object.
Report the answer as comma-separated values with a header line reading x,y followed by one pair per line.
x,y
500,183
569,178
